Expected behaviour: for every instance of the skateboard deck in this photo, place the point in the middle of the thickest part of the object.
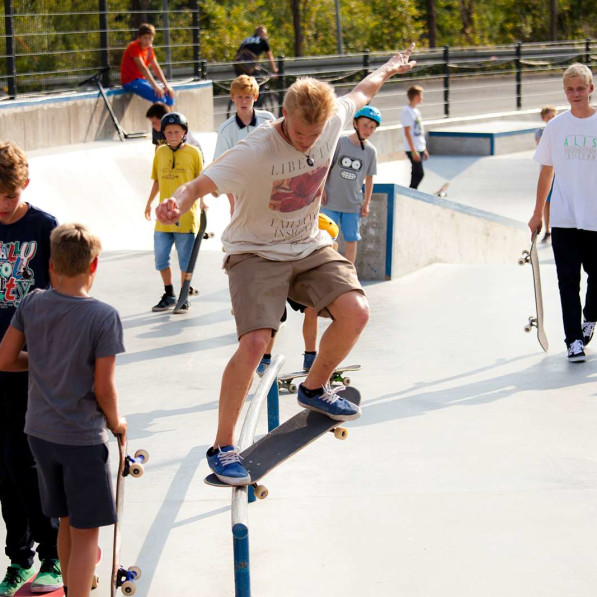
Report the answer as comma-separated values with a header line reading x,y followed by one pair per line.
x,y
286,379
530,256
184,291
124,578
286,440
25,590
443,191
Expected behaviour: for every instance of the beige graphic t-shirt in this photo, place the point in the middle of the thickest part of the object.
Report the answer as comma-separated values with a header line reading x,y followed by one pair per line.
x,y
277,194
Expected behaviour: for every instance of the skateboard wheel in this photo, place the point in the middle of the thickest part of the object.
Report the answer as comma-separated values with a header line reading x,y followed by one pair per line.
x,y
346,381
143,454
135,571
261,492
95,582
128,587
527,328
340,433
292,388
136,470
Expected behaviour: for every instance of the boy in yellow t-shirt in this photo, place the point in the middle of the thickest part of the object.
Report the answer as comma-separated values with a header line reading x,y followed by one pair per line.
x,y
174,164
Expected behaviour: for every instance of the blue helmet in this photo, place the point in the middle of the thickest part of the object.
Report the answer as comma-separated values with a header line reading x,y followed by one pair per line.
x,y
369,112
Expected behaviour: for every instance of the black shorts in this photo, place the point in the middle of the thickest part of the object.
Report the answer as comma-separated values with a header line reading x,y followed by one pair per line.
x,y
75,481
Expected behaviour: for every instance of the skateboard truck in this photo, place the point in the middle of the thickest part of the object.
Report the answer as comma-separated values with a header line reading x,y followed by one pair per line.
x,y
126,579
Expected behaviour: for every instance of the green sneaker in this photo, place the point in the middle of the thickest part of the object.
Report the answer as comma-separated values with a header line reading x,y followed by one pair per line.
x,y
16,577
49,577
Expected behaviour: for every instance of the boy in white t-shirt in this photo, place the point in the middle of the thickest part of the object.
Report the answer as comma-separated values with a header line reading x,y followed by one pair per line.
x,y
414,135
567,153
275,249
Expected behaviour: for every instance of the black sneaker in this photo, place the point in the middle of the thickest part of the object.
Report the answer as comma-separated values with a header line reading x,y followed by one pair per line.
x,y
588,328
166,303
576,353
184,308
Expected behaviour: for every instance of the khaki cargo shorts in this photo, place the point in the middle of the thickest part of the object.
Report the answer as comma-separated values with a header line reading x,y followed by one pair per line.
x,y
259,287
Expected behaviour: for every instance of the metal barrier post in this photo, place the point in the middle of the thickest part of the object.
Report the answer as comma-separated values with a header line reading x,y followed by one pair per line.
x,y
11,73
366,61
104,48
518,63
197,68
588,51
281,83
242,576
273,407
447,81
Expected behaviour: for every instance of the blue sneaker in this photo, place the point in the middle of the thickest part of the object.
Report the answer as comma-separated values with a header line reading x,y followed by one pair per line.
x,y
263,365
330,404
308,360
225,463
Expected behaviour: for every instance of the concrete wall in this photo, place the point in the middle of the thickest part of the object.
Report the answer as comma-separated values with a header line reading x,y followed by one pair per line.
x,y
408,230
81,118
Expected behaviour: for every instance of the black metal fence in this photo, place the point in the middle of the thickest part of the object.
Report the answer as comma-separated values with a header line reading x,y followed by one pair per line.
x,y
51,46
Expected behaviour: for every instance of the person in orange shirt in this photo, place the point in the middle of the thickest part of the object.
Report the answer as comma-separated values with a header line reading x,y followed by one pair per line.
x,y
135,73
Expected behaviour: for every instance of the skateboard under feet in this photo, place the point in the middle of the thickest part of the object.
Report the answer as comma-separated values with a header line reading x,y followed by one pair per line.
x,y
286,380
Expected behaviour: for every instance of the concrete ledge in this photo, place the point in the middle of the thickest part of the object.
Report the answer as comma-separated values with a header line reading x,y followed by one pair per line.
x,y
50,121
408,230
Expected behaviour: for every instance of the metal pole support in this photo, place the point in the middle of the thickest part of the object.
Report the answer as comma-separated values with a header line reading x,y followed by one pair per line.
x,y
242,576
11,72
447,81
273,407
518,63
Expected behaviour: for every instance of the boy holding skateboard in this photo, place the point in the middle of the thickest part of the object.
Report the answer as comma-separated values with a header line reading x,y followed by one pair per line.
x,y
354,163
72,341
567,153
275,249
174,164
24,266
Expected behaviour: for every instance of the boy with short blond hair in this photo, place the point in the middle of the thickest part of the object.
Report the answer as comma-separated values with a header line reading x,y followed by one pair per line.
x,y
567,153
414,135
24,266
72,341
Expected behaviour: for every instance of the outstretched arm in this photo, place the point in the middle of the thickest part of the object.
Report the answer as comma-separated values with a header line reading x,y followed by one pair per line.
x,y
362,94
169,211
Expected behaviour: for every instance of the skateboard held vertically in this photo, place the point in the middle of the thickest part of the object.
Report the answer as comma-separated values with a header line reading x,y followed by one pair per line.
x,y
286,379
184,291
286,440
530,256
125,578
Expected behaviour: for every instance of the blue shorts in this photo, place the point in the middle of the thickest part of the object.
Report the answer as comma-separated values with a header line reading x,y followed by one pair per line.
x,y
143,88
75,481
348,222
162,245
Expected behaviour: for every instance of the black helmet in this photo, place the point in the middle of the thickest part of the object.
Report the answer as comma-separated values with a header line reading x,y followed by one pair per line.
x,y
174,118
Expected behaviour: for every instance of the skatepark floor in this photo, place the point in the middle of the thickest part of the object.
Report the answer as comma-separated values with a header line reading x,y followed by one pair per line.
x,y
471,472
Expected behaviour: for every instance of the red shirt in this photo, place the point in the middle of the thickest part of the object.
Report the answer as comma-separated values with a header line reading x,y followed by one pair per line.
x,y
129,71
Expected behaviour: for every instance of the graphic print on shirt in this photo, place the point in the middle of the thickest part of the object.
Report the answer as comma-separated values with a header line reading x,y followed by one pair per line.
x,y
292,194
349,167
16,277
580,147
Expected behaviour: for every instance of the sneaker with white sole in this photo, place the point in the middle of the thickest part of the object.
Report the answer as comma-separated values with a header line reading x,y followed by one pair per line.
x,y
576,353
225,462
16,576
588,328
49,577
327,402
166,303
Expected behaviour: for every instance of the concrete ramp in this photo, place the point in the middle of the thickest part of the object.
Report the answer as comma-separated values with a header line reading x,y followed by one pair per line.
x,y
105,185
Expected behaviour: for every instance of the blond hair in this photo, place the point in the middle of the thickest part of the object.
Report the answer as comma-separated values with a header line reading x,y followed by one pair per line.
x,y
578,70
72,249
413,92
14,169
244,84
312,101
545,110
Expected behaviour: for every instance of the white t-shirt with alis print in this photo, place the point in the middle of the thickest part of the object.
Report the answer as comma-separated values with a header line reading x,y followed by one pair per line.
x,y
569,144
277,194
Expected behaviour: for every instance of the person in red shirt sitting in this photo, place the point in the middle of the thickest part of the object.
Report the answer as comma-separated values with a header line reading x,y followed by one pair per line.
x,y
135,75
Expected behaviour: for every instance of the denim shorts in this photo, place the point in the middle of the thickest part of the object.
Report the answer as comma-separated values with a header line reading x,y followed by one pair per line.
x,y
162,245
75,481
348,222
143,88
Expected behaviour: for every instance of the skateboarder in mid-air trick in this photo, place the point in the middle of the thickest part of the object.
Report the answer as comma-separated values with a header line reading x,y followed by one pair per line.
x,y
274,248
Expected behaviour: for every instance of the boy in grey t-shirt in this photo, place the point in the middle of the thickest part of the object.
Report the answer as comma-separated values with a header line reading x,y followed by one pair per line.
x,y
72,340
354,163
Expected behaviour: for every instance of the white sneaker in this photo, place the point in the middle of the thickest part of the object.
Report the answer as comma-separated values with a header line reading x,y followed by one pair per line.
x,y
588,327
576,353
